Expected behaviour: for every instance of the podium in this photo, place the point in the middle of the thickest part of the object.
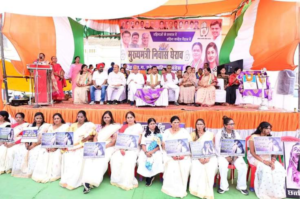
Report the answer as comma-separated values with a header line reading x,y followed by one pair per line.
x,y
42,83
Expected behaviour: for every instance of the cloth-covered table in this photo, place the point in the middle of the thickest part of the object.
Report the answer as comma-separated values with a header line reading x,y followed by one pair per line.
x,y
152,97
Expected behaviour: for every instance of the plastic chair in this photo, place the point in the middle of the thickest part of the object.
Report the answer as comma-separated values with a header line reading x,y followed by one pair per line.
x,y
217,176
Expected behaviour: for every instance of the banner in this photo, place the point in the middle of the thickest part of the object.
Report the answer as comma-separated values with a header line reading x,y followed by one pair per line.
x,y
202,149
177,147
127,141
292,166
30,134
179,43
94,150
48,140
6,135
232,147
268,145
64,139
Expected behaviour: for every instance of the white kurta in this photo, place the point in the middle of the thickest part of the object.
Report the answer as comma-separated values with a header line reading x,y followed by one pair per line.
x,y
95,168
112,90
122,167
176,171
72,160
48,166
202,175
3,151
25,161
134,82
171,84
157,159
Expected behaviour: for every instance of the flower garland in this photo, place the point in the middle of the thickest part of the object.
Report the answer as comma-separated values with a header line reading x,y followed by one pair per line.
x,y
249,79
261,80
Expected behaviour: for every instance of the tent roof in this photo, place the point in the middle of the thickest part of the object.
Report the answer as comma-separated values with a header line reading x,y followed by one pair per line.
x,y
179,8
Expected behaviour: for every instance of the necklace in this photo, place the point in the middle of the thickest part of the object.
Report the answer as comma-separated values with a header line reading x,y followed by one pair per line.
x,y
249,79
261,80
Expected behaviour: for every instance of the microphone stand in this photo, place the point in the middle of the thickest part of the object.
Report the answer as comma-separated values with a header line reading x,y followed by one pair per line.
x,y
36,80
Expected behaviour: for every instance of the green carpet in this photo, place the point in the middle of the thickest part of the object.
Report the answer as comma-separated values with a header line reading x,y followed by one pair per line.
x,y
18,188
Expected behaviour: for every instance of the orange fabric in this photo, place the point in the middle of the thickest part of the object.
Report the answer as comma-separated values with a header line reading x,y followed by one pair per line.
x,y
203,9
1,82
273,26
281,121
30,36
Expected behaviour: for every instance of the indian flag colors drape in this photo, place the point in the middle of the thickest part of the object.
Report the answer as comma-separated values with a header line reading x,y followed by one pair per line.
x,y
264,36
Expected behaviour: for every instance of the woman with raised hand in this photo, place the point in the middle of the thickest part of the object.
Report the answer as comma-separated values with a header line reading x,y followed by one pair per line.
x,y
72,159
48,166
203,170
150,158
95,168
270,174
8,149
27,154
123,162
177,168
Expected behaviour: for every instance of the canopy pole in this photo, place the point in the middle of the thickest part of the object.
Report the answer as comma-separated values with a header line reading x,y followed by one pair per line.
x,y
298,85
3,61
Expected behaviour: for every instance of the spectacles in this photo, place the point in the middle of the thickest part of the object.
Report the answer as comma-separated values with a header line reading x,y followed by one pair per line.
x,y
231,124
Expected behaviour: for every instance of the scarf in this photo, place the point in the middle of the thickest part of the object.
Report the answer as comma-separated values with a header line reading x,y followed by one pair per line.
x,y
151,79
224,134
123,128
165,76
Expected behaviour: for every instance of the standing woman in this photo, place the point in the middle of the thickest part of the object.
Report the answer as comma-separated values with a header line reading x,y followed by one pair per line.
x,y
74,71
150,158
95,168
72,159
4,122
228,132
123,162
7,162
59,80
268,170
26,157
48,166
187,87
203,170
177,168
83,82
232,85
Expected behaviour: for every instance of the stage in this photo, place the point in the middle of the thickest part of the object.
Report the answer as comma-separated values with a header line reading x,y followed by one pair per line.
x,y
246,117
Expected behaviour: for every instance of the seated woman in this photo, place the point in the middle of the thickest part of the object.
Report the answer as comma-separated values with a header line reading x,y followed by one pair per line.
x,y
206,91
4,122
232,85
177,168
72,160
150,158
83,82
187,87
203,170
95,168
223,76
27,153
48,166
268,169
123,162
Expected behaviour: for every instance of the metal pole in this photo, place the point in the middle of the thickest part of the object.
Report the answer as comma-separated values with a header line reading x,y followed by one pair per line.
x,y
3,61
298,86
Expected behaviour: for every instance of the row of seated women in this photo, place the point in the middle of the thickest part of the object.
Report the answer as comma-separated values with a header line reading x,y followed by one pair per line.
x,y
29,160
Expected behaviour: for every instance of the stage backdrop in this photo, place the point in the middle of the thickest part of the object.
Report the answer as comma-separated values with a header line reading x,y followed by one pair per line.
x,y
180,43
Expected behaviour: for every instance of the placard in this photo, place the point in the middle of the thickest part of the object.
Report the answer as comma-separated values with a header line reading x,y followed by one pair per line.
x,y
48,140
292,166
232,147
202,149
127,141
64,139
94,150
6,135
268,145
177,147
30,134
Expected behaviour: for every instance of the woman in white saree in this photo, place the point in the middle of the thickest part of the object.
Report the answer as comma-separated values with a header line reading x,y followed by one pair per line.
x,y
95,168
270,175
4,123
48,166
123,162
177,168
203,170
150,158
72,159
27,153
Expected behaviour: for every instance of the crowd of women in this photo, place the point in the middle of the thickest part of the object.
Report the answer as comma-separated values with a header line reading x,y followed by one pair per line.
x,y
30,160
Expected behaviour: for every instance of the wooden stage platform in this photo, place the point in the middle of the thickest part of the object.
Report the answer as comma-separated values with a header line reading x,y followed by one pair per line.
x,y
245,117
